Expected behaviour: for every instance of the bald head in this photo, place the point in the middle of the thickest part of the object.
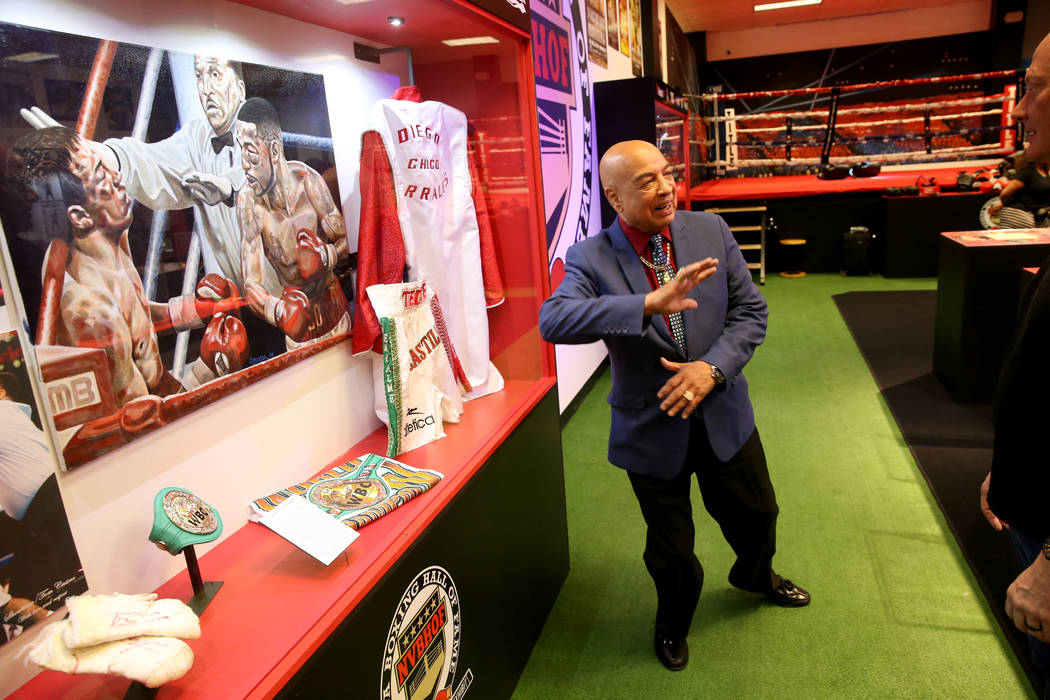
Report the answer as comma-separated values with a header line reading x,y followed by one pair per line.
x,y
1034,108
619,160
639,184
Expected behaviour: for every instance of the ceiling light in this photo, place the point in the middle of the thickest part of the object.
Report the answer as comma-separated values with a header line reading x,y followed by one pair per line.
x,y
324,58
787,3
31,57
395,21
470,41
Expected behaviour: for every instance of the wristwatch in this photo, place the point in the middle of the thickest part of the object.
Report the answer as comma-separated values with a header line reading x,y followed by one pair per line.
x,y
717,375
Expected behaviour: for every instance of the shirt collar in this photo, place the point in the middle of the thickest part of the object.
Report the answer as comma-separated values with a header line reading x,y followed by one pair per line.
x,y
639,240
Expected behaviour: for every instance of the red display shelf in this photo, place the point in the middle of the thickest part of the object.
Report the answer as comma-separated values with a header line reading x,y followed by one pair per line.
x,y
277,604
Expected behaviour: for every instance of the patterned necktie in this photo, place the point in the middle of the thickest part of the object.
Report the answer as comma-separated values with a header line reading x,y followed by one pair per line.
x,y
665,272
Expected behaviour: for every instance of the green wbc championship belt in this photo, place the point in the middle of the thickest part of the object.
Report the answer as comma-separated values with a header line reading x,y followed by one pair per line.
x,y
181,519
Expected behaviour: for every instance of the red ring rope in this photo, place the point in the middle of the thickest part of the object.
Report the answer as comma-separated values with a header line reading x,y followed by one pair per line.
x,y
859,86
988,99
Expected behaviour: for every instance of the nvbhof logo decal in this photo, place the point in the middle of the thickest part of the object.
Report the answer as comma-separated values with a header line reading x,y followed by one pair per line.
x,y
563,110
422,647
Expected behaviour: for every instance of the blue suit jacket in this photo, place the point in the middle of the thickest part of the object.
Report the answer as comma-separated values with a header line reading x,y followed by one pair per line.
x,y
602,297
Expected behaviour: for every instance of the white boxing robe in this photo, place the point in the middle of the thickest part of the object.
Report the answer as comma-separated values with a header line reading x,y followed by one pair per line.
x,y
419,218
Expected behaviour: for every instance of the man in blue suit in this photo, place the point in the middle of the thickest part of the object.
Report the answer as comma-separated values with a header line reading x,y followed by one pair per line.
x,y
677,343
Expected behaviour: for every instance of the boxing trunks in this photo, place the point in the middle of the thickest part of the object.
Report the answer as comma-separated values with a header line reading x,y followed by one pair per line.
x,y
419,378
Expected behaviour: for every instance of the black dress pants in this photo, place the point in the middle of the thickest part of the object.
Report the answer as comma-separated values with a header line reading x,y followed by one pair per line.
x,y
739,496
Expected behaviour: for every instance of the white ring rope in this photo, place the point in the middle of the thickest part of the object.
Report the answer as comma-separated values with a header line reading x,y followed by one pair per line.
x,y
992,150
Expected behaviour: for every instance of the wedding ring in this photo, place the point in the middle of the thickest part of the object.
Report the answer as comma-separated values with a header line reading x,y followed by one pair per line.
x,y
1033,629
689,396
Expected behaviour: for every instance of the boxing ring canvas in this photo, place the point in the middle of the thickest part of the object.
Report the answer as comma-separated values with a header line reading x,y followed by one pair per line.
x,y
126,262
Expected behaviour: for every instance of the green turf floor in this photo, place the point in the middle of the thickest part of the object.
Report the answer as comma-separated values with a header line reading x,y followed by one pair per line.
x,y
896,612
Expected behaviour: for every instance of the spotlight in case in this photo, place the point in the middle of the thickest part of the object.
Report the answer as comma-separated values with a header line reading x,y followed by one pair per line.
x,y
470,41
395,21
785,4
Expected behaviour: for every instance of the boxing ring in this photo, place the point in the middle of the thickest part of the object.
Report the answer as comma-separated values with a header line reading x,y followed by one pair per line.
x,y
838,160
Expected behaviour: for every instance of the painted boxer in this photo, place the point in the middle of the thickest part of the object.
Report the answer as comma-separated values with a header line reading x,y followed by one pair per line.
x,y
100,298
290,221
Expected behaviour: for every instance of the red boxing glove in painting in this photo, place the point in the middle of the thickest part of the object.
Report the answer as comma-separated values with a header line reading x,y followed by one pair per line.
x,y
291,313
216,294
224,347
314,256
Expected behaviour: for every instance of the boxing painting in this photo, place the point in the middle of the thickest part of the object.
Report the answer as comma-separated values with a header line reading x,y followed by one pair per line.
x,y
171,227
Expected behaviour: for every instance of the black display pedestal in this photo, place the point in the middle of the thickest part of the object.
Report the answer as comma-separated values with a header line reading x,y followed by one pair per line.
x,y
977,292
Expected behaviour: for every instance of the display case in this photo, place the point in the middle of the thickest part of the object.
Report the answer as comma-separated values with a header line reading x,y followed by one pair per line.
x,y
488,543
648,110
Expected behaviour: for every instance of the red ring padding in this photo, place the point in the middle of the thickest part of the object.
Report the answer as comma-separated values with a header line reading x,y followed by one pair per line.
x,y
782,186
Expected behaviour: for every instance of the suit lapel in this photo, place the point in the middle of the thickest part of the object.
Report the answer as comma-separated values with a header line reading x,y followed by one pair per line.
x,y
629,264
637,280
687,249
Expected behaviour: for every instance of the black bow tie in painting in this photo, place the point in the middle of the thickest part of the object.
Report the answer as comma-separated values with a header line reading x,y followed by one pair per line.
x,y
221,141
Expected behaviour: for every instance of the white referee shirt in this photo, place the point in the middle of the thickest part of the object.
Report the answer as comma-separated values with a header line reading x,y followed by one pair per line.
x,y
25,458
153,173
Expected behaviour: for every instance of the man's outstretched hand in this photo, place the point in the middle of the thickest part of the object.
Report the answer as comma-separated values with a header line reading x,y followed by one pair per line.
x,y
39,119
209,189
671,298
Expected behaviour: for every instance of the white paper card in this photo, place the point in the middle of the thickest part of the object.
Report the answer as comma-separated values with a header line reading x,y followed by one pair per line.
x,y
1010,236
310,529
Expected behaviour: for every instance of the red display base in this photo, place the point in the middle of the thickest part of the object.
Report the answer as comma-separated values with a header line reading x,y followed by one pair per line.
x,y
278,604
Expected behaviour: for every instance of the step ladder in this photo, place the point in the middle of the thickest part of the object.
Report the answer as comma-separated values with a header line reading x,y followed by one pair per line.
x,y
750,236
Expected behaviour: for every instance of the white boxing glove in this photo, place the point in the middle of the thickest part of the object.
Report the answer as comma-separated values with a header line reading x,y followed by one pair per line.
x,y
152,661
94,619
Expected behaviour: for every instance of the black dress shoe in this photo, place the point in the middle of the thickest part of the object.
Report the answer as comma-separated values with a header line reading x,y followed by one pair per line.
x,y
788,595
673,653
